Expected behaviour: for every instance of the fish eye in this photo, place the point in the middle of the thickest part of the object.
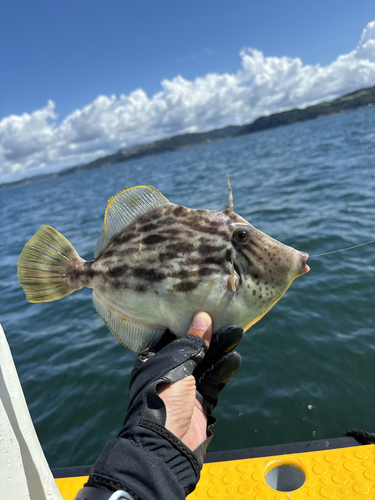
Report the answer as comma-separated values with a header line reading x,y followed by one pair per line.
x,y
241,235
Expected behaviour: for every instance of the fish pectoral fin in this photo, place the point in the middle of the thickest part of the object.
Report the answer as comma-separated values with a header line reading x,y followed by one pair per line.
x,y
124,208
233,280
135,336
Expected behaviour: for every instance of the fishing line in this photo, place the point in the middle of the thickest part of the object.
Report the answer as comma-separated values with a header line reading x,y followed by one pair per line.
x,y
342,249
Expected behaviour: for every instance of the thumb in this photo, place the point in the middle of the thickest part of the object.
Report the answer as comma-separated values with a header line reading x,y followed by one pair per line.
x,y
201,326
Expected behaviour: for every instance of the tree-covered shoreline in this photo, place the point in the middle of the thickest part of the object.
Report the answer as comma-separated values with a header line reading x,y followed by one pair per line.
x,y
348,102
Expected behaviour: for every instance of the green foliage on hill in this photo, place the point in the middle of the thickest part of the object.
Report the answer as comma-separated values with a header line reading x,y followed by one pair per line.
x,y
348,102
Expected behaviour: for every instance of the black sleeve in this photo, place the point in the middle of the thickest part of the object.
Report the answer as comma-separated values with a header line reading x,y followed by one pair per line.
x,y
153,470
147,460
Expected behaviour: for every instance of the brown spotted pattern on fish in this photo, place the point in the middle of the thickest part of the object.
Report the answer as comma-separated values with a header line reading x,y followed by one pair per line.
x,y
158,263
178,247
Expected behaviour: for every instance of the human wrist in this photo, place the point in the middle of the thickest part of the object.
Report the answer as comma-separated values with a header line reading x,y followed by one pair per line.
x,y
151,463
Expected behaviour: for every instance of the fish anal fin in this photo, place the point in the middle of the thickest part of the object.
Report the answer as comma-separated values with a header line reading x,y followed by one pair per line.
x,y
124,208
135,336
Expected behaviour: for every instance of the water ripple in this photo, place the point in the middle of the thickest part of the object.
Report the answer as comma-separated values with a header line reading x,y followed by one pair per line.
x,y
308,366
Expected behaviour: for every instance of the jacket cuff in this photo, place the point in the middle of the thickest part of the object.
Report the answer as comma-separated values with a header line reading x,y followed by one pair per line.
x,y
151,464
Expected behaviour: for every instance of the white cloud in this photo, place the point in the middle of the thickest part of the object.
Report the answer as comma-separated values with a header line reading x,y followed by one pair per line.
x,y
34,143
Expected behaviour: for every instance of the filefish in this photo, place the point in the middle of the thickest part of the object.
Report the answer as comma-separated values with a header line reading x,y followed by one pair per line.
x,y
157,264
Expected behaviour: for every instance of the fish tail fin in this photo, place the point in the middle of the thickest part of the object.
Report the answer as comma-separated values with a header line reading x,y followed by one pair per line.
x,y
43,264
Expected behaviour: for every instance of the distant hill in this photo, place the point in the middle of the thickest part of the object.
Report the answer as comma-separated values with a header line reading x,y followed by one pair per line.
x,y
348,102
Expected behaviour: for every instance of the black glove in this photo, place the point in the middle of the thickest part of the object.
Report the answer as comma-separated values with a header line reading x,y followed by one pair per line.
x,y
146,460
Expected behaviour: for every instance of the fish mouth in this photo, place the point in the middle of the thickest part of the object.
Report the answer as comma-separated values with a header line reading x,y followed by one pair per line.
x,y
304,267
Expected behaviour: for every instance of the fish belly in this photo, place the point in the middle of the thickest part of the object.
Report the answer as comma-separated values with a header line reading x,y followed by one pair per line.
x,y
161,307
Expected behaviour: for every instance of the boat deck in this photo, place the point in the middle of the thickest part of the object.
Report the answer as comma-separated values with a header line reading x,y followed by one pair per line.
x,y
326,469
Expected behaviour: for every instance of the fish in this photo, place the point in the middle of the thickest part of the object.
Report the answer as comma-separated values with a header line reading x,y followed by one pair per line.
x,y
158,263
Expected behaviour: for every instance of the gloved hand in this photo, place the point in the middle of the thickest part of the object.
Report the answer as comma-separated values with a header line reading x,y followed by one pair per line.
x,y
147,460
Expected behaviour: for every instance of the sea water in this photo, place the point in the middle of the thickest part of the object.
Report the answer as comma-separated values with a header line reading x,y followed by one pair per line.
x,y
308,367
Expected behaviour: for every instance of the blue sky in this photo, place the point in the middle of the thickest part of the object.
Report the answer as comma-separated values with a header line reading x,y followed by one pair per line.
x,y
57,57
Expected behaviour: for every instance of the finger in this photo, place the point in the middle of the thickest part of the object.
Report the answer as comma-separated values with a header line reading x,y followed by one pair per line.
x,y
166,339
222,343
228,338
201,326
214,380
174,362
223,371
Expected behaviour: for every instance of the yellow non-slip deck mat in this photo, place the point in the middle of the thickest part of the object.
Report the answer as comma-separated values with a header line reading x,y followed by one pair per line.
x,y
339,474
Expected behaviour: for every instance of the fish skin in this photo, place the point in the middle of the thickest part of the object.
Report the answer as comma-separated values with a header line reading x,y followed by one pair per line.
x,y
173,261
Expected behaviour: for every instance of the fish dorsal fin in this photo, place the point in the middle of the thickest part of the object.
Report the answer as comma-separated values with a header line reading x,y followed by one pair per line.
x,y
123,208
229,203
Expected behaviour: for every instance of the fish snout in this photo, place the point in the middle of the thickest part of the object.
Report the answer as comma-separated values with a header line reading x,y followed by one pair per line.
x,y
302,267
